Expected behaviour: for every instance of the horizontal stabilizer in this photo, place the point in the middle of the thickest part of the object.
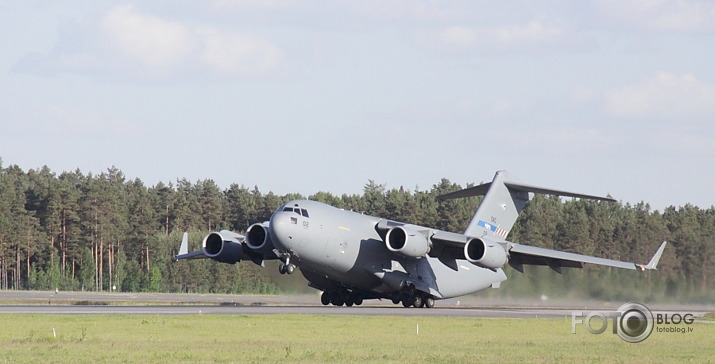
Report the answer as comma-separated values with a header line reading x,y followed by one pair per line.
x,y
547,191
519,187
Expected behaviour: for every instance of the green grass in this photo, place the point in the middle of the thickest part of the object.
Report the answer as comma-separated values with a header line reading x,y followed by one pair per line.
x,y
328,339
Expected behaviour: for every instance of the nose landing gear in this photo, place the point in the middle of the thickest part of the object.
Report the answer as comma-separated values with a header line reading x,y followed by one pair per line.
x,y
286,267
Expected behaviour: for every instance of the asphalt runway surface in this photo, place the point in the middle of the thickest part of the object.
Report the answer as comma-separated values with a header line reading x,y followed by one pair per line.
x,y
272,310
38,302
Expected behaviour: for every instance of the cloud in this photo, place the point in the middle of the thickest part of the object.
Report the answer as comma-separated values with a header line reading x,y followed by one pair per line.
x,y
238,54
663,97
340,12
531,33
532,36
457,37
148,39
666,15
124,42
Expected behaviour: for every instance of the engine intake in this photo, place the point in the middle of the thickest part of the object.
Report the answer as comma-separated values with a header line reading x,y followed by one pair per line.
x,y
224,248
258,238
485,253
407,242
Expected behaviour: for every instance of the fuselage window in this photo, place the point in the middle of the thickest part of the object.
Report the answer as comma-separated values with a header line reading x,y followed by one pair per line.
x,y
304,212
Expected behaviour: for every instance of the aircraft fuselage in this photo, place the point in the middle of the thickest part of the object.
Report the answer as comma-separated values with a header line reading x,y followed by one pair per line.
x,y
338,249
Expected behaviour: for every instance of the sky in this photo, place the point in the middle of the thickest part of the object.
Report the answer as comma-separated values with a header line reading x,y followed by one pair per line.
x,y
597,96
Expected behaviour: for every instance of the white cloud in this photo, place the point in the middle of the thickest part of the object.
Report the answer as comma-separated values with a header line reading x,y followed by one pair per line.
x,y
456,36
340,12
150,40
230,5
125,42
663,96
667,15
534,35
238,54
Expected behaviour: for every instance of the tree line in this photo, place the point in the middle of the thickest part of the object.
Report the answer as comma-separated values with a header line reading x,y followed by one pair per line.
x,y
104,232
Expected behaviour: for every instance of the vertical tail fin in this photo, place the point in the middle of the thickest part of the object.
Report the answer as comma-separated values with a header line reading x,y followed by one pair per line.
x,y
504,198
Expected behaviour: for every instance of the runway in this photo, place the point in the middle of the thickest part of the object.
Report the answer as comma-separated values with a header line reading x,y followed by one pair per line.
x,y
301,310
76,303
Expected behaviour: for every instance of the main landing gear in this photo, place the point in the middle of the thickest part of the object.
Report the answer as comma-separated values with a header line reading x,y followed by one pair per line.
x,y
343,297
338,297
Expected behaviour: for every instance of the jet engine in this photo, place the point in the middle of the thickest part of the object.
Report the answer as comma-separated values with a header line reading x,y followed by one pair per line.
x,y
485,253
258,238
407,242
224,247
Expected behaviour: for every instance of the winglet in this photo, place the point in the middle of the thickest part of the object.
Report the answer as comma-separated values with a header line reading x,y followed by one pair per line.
x,y
656,257
184,251
653,261
184,248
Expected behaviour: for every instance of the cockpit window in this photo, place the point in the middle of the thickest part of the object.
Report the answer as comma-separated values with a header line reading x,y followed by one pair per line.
x,y
297,210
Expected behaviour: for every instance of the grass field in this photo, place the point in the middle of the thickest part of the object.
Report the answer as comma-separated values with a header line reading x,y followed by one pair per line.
x,y
329,339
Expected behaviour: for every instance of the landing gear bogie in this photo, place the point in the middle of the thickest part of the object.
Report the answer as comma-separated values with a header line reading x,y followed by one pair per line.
x,y
414,300
338,297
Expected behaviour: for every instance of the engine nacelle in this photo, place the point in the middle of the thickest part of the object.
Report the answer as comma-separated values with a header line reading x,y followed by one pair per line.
x,y
258,238
407,242
485,253
224,247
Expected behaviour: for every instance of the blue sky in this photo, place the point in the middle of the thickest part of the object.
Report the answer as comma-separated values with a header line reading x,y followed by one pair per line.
x,y
293,96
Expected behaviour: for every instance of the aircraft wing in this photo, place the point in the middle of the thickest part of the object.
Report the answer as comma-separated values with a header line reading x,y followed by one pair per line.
x,y
449,246
524,254
184,250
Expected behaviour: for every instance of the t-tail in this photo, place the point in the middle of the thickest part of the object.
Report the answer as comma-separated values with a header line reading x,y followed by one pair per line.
x,y
504,199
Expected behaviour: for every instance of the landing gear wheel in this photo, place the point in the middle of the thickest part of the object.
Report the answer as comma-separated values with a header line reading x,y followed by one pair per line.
x,y
289,268
429,302
325,298
336,298
358,300
418,302
282,269
407,298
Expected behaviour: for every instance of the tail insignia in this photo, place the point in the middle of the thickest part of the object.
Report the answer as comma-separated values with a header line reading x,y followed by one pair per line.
x,y
493,228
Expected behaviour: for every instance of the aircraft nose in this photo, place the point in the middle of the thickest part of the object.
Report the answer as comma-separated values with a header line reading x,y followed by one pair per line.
x,y
282,230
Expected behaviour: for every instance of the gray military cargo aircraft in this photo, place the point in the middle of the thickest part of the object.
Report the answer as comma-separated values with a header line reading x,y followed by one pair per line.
x,y
352,257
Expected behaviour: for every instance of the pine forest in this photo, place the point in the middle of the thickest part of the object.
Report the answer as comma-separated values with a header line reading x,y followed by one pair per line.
x,y
76,231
